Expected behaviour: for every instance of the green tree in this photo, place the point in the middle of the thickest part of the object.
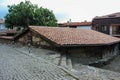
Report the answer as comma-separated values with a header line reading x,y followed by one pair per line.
x,y
25,14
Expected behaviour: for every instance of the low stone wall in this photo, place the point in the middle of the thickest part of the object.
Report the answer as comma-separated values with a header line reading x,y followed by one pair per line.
x,y
90,55
36,40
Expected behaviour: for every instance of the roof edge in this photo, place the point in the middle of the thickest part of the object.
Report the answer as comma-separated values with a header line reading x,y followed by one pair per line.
x,y
80,45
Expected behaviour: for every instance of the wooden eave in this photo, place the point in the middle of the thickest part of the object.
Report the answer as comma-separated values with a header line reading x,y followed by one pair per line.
x,y
105,18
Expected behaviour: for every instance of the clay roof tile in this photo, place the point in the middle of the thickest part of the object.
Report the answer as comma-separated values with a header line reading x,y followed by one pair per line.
x,y
73,36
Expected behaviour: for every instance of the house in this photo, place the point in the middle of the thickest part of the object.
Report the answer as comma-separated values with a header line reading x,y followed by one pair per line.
x,y
85,46
81,25
8,34
2,25
108,24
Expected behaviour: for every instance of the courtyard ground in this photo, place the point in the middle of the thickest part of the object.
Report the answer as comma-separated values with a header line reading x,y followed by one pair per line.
x,y
114,65
16,63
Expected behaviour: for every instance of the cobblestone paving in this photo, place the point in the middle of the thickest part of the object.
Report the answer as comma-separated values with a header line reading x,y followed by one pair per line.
x,y
48,55
114,65
29,70
18,66
81,71
92,73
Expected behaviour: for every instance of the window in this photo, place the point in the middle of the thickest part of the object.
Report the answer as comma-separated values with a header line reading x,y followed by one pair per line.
x,y
116,30
103,28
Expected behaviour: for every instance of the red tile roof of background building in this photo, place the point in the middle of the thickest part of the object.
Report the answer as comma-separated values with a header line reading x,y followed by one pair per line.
x,y
10,31
74,23
4,34
7,37
85,23
73,36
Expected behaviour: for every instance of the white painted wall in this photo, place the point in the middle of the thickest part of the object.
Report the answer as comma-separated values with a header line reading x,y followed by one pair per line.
x,y
84,27
2,26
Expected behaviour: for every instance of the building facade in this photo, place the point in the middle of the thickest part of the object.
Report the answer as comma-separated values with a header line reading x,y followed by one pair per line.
x,y
2,25
83,46
79,25
108,24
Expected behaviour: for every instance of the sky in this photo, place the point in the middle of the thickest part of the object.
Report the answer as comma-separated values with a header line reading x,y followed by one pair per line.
x,y
76,10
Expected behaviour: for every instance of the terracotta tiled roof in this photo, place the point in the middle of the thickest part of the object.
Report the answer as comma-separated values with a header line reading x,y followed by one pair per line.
x,y
3,33
114,15
7,37
76,24
73,36
85,23
10,31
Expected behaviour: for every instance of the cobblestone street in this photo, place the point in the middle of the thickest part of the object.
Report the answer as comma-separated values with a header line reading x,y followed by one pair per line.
x,y
114,65
15,65
81,71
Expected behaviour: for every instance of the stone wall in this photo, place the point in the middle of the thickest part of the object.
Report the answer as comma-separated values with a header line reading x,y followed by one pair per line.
x,y
110,51
88,55
36,40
